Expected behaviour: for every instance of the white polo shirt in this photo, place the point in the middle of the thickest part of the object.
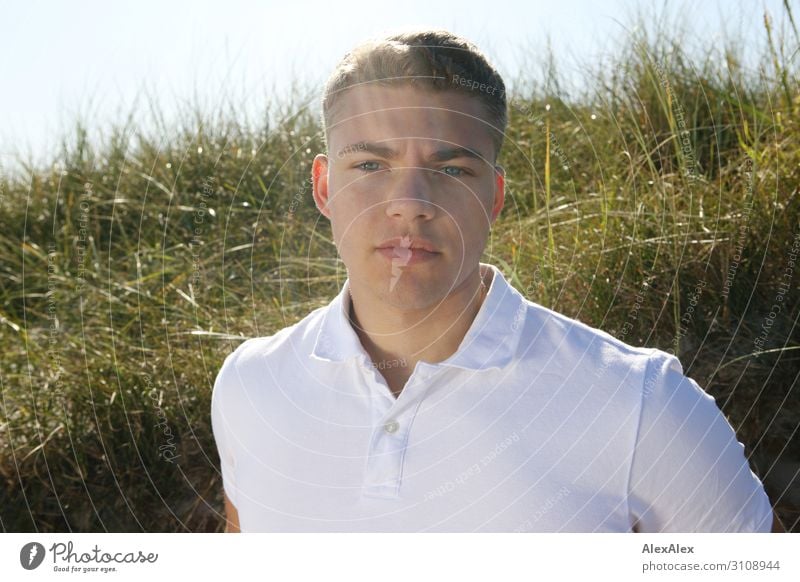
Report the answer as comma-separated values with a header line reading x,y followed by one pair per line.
x,y
536,423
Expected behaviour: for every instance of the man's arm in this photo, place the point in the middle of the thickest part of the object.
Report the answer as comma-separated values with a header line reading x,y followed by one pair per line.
x,y
232,517
689,472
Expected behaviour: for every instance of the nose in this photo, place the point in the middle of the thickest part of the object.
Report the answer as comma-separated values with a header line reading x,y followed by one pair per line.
x,y
409,195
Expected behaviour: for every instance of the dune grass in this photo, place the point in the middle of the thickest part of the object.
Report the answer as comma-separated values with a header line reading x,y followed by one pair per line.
x,y
661,205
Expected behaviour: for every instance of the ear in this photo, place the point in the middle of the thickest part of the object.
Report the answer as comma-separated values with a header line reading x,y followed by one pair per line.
x,y
499,191
319,179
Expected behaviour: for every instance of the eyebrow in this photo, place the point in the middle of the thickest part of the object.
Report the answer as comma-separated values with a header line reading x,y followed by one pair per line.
x,y
384,151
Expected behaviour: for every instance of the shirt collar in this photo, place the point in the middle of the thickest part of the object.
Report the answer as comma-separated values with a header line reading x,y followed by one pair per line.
x,y
490,342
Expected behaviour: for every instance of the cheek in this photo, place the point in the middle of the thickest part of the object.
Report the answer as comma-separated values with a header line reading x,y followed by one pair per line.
x,y
350,226
469,209
354,196
471,226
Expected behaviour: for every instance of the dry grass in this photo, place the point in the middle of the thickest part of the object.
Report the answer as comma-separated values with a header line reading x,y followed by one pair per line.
x,y
103,381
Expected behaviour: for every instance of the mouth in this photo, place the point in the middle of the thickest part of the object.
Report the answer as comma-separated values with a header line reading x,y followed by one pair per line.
x,y
408,242
403,256
407,251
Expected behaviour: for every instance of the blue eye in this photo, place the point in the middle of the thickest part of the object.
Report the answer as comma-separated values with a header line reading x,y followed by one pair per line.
x,y
361,166
460,170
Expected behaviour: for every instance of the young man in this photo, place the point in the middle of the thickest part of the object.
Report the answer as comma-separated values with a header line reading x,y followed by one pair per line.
x,y
430,395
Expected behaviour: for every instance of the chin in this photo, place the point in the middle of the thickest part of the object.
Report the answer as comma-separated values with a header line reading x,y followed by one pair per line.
x,y
412,287
411,300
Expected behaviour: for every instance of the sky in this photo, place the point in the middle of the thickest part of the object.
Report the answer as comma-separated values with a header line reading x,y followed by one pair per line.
x,y
95,60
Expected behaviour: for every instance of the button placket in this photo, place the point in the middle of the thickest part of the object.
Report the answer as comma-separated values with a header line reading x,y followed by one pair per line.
x,y
384,466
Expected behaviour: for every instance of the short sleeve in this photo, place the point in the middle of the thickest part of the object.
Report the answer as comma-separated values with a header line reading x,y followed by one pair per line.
x,y
222,421
688,470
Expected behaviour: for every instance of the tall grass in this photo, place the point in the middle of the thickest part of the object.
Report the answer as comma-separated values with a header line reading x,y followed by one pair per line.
x,y
132,266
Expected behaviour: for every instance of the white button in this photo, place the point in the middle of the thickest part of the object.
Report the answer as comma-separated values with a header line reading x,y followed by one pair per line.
x,y
391,427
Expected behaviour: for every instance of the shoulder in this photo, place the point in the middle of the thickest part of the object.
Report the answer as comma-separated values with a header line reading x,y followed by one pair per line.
x,y
673,396
677,412
260,357
576,346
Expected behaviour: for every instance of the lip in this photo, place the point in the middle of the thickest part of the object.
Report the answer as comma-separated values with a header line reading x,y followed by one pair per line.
x,y
408,242
407,250
403,256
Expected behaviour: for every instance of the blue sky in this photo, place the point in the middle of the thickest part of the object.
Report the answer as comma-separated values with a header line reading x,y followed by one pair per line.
x,y
90,59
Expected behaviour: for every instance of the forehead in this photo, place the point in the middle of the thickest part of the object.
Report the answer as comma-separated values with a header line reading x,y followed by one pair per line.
x,y
375,113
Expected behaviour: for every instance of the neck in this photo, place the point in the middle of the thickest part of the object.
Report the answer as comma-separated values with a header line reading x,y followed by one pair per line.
x,y
392,335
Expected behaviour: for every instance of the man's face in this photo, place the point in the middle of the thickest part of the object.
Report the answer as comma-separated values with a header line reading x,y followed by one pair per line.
x,y
399,167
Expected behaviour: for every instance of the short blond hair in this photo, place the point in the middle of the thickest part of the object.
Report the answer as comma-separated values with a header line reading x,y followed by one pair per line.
x,y
435,60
